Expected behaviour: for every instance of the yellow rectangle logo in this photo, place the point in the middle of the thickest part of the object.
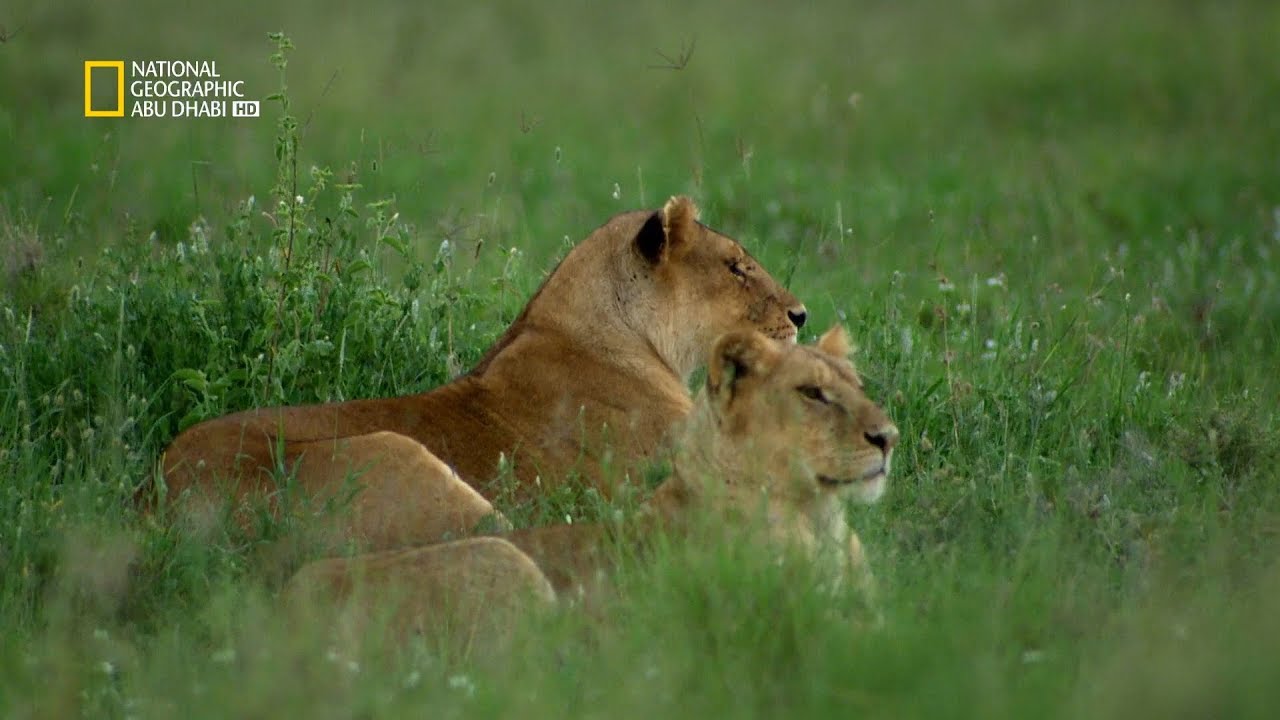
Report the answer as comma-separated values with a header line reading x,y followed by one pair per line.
x,y
89,66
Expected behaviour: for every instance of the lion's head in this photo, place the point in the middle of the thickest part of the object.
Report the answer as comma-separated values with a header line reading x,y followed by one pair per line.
x,y
785,428
801,414
710,284
663,279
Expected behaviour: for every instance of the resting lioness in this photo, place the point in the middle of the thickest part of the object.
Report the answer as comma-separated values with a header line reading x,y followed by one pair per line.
x,y
779,438
598,362
786,431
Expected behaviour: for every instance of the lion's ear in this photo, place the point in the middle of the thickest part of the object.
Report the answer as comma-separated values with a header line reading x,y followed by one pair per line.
x,y
738,355
835,341
667,229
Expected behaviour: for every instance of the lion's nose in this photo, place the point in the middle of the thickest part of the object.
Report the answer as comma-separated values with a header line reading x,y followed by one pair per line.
x,y
797,316
883,437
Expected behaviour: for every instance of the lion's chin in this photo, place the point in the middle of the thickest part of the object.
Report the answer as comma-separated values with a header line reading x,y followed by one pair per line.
x,y
789,336
871,489
868,487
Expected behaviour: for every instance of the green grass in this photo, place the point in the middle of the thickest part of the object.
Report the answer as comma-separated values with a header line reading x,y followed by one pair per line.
x,y
1052,228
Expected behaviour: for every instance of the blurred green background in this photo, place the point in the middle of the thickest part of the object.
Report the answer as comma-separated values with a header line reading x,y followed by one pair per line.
x,y
1070,121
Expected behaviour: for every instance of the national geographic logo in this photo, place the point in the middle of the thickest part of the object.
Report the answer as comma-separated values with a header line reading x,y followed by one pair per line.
x,y
163,89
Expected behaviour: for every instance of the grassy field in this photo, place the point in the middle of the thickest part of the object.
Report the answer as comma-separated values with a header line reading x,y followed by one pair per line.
x,y
1053,229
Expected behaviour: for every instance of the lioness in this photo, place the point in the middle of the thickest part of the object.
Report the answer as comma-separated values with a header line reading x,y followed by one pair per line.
x,y
781,435
598,361
786,431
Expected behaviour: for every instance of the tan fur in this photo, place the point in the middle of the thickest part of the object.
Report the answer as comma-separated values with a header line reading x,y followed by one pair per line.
x,y
757,451
595,367
466,590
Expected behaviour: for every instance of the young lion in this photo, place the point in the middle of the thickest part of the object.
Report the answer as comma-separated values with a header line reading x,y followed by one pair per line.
x,y
781,436
598,360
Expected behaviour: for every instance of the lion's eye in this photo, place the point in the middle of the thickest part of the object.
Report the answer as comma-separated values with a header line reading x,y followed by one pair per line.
x,y
737,268
813,392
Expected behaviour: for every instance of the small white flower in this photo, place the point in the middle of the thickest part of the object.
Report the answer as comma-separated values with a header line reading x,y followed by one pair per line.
x,y
298,200
617,191
1144,382
463,683
997,281
1042,396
